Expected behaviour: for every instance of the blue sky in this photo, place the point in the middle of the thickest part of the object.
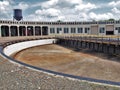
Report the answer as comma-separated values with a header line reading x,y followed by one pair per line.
x,y
65,10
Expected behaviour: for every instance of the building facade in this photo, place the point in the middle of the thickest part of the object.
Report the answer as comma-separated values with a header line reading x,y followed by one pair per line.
x,y
27,28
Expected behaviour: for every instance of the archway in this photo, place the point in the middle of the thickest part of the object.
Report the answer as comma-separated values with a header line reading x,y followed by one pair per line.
x,y
22,31
44,30
30,31
37,30
14,31
4,31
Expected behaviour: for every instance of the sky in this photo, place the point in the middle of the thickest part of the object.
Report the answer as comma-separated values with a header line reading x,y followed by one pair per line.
x,y
64,10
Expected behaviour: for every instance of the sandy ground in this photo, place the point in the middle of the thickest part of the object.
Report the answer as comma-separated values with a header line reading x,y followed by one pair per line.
x,y
83,63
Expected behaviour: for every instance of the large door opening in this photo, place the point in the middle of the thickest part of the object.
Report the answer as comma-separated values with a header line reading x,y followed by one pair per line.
x,y
4,31
110,30
14,31
109,33
44,30
94,30
30,31
22,31
37,30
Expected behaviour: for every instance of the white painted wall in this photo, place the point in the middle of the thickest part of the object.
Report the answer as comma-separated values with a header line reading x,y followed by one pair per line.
x,y
23,45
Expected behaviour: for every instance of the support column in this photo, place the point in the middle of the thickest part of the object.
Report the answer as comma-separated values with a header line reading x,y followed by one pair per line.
x,y
0,31
114,49
9,31
41,31
26,30
34,31
83,30
55,30
48,30
69,30
76,30
18,31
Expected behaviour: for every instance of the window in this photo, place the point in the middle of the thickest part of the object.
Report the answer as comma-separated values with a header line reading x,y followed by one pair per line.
x,y
59,29
102,30
87,30
80,30
118,28
73,30
52,30
66,30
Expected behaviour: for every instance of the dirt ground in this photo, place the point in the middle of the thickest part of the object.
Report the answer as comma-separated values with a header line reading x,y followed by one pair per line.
x,y
83,63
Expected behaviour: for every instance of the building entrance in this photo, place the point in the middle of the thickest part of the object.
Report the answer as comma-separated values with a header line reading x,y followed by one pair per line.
x,y
44,30
4,31
109,33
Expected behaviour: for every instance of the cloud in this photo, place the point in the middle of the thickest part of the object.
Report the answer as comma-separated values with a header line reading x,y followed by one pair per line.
x,y
104,16
60,3
75,1
85,7
5,9
22,5
33,17
49,3
115,10
4,6
48,12
66,10
116,13
114,3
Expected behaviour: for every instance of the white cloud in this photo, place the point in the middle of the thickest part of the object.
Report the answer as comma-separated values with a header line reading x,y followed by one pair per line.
x,y
43,18
33,17
49,3
116,10
114,3
22,5
48,12
104,16
60,3
4,6
66,10
5,9
85,7
74,1
83,16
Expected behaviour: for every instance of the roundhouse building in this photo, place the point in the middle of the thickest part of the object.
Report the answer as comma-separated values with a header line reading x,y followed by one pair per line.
x,y
30,28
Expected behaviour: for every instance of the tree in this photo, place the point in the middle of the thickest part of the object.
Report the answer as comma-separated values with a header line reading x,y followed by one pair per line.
x,y
111,19
59,21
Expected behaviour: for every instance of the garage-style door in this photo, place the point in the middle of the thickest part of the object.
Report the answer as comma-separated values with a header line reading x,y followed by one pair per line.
x,y
109,30
94,30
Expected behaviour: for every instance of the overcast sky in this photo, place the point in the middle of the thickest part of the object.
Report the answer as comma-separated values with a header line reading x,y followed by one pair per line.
x,y
65,10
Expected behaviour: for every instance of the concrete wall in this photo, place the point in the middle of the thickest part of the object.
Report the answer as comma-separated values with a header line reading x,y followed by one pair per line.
x,y
23,45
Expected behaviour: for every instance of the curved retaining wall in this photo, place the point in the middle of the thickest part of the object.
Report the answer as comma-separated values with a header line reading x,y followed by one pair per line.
x,y
8,50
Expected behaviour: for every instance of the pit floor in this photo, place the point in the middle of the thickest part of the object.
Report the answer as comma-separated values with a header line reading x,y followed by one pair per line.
x,y
83,63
